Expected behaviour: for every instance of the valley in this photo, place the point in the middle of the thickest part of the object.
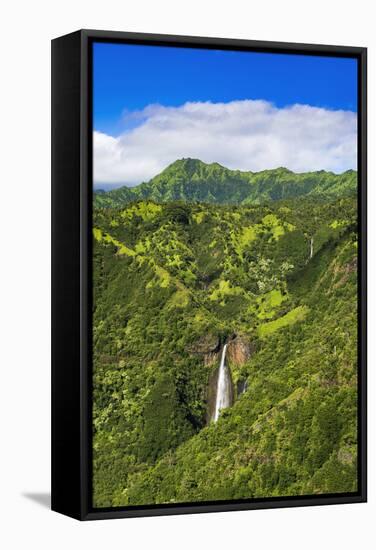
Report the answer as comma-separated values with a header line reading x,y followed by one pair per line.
x,y
203,264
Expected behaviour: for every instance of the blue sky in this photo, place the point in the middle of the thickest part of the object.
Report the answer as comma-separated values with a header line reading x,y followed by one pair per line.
x,y
128,79
132,77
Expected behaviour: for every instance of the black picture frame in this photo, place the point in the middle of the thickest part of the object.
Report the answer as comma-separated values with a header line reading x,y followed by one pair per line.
x,y
71,269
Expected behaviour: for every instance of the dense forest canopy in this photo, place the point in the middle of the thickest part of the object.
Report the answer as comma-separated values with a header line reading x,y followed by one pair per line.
x,y
198,257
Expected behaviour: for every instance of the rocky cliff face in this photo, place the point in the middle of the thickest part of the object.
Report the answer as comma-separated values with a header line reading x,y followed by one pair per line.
x,y
239,350
209,346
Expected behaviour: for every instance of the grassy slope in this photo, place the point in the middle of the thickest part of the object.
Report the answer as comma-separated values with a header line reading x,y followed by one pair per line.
x,y
167,274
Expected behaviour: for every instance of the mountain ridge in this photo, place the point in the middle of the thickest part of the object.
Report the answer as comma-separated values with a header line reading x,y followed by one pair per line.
x,y
192,180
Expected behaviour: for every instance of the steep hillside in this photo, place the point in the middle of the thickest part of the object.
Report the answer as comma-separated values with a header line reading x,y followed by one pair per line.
x,y
172,284
192,180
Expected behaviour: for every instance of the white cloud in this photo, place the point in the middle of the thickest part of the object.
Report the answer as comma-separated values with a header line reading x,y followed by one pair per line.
x,y
245,135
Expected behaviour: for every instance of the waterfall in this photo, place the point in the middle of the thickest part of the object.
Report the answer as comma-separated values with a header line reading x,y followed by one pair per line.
x,y
224,387
311,251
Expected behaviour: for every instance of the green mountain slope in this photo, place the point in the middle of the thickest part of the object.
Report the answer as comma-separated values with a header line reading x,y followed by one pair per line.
x,y
192,180
173,283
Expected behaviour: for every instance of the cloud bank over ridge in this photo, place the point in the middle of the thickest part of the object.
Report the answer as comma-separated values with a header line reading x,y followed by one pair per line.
x,y
246,135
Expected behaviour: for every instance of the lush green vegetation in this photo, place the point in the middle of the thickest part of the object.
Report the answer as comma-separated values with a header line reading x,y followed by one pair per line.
x,y
193,180
175,280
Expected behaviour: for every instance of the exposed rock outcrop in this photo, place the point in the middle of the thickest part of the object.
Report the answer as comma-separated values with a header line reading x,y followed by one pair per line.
x,y
241,386
208,343
208,346
239,350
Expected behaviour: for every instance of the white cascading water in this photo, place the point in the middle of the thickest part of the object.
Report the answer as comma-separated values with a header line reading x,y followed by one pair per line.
x,y
223,397
311,251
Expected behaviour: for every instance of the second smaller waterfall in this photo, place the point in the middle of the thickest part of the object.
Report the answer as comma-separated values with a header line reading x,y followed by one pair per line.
x,y
224,388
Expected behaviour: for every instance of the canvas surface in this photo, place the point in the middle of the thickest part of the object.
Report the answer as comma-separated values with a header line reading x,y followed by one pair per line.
x,y
225,275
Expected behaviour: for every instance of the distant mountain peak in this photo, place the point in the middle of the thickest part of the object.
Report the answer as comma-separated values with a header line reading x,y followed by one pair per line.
x,y
186,163
193,163
192,180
